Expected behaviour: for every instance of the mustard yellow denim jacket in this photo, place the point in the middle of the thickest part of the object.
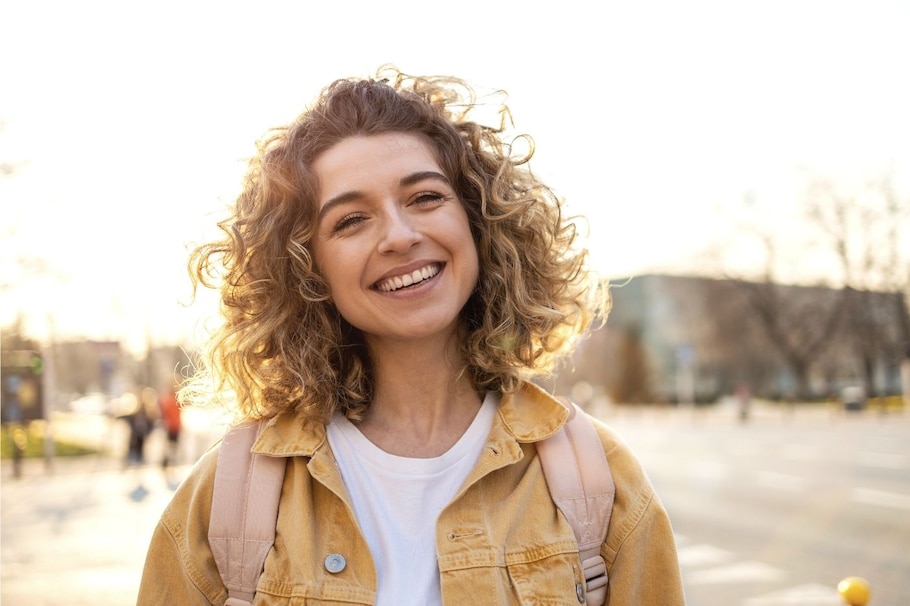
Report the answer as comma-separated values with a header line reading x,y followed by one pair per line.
x,y
500,541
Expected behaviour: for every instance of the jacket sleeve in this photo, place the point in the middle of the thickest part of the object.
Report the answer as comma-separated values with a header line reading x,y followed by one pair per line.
x,y
640,550
179,566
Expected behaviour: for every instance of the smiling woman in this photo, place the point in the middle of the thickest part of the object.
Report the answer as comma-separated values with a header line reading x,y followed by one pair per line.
x,y
321,193
393,281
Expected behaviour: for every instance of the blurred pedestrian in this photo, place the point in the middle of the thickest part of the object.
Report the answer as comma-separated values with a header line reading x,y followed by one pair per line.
x,y
744,401
133,414
12,423
140,419
171,423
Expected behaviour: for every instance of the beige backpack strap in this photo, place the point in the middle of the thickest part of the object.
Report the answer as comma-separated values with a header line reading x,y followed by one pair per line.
x,y
244,511
581,485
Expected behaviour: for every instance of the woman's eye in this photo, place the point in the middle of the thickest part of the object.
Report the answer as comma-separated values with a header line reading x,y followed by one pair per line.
x,y
347,222
428,198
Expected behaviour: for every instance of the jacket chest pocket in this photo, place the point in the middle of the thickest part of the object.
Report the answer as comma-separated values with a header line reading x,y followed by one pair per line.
x,y
307,597
551,580
322,591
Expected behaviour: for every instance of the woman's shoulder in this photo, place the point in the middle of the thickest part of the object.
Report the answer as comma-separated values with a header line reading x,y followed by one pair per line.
x,y
624,463
636,504
195,490
179,565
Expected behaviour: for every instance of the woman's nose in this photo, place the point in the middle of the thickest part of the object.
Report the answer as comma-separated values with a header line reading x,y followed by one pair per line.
x,y
399,233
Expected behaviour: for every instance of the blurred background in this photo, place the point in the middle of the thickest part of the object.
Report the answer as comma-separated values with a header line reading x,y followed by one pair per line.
x,y
744,172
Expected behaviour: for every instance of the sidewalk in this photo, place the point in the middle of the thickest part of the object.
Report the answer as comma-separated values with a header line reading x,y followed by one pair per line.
x,y
78,534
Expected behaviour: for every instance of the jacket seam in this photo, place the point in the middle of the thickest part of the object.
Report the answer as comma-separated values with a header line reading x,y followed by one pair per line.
x,y
194,575
631,523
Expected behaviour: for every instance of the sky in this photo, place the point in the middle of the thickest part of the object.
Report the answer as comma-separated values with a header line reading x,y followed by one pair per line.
x,y
124,126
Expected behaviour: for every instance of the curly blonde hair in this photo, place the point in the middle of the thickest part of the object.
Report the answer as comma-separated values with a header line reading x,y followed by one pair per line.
x,y
284,347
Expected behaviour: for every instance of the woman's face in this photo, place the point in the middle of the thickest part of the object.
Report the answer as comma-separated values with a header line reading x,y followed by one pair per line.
x,y
393,240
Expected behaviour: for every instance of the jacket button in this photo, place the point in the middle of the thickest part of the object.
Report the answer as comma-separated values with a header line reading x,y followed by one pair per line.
x,y
335,563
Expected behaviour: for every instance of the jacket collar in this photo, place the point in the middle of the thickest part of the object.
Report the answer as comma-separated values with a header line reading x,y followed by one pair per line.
x,y
531,414
528,415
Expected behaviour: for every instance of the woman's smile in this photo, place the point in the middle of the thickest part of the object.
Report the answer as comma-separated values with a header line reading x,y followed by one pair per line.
x,y
412,278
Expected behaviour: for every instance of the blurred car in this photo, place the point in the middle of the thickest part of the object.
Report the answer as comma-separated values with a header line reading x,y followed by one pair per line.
x,y
853,398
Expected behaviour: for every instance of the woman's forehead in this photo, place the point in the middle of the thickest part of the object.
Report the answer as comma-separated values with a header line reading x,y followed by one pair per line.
x,y
361,161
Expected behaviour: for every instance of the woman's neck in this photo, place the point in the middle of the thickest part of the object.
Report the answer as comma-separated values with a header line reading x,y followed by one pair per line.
x,y
422,402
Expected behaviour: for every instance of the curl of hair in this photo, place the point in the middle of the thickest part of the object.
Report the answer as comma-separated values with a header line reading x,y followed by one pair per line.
x,y
283,346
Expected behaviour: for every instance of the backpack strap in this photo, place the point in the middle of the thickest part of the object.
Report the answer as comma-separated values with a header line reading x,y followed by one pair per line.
x,y
581,485
244,511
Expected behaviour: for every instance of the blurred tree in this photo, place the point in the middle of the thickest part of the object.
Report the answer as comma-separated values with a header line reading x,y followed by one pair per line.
x,y
12,338
739,349
631,384
863,227
799,323
845,237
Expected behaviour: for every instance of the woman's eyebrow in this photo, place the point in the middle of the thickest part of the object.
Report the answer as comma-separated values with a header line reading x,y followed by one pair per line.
x,y
350,196
423,175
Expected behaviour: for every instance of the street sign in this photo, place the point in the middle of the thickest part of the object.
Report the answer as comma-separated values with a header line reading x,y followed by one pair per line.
x,y
21,379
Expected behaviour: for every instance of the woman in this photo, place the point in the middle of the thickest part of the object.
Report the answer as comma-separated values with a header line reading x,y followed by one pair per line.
x,y
392,278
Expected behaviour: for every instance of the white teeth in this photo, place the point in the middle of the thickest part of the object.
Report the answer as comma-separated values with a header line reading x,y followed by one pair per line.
x,y
418,275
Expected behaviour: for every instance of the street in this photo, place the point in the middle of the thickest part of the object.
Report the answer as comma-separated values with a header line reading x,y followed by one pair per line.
x,y
773,511
778,510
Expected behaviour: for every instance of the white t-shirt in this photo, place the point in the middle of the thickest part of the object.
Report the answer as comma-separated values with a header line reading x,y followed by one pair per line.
x,y
397,501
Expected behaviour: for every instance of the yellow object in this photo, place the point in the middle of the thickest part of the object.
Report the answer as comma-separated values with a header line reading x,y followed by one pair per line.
x,y
854,591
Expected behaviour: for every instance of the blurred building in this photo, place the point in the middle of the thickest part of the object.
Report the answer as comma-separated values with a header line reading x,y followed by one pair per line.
x,y
107,370
675,338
